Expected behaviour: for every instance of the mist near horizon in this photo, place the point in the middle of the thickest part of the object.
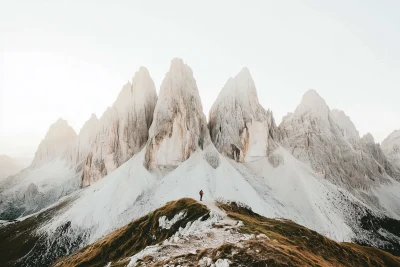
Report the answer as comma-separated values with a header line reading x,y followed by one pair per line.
x,y
53,66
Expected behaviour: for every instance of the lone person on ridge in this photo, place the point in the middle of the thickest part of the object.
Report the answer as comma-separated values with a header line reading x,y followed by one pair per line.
x,y
201,195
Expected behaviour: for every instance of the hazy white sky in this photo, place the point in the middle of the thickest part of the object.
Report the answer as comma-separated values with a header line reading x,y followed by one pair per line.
x,y
70,58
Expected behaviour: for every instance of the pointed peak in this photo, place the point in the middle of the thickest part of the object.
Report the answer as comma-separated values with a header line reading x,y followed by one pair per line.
x,y
244,71
59,130
312,96
60,125
93,117
61,121
313,102
177,65
142,72
242,82
179,74
143,69
89,127
128,84
242,88
142,79
368,138
244,78
177,61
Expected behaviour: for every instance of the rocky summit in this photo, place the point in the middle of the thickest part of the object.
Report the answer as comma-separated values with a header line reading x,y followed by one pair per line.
x,y
310,191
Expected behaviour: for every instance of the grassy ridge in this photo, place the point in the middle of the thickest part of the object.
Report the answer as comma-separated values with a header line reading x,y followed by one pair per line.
x,y
290,244
135,236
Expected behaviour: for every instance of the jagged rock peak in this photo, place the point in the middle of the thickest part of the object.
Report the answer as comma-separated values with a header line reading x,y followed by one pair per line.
x,y
329,142
136,92
59,126
124,99
123,129
93,117
368,138
179,126
241,85
245,80
313,102
239,125
391,144
59,139
345,124
90,125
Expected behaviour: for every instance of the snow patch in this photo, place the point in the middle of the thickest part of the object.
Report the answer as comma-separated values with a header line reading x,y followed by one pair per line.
x,y
164,223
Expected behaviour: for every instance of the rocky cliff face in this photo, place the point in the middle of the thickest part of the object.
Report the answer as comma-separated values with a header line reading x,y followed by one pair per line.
x,y
391,149
85,139
123,128
179,126
59,141
391,144
239,126
346,126
329,142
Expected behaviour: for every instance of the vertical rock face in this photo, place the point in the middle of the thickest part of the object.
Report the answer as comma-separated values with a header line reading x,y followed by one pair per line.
x,y
59,141
373,149
346,126
329,142
391,144
179,126
391,149
240,127
83,144
123,128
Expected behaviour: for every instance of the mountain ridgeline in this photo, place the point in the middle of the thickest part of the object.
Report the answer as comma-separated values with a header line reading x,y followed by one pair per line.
x,y
147,150
238,126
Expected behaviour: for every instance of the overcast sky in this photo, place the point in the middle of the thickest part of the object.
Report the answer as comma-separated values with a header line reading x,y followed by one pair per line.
x,y
69,59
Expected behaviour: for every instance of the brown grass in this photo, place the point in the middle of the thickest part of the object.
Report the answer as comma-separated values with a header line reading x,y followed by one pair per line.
x,y
294,245
286,244
134,237
19,238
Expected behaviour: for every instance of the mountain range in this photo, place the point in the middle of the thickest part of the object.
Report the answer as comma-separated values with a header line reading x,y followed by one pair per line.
x,y
147,150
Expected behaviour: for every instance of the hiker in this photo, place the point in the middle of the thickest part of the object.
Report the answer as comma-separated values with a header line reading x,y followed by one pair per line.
x,y
201,195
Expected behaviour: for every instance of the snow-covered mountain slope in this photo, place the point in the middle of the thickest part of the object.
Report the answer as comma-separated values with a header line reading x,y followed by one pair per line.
x,y
179,127
289,190
66,161
322,175
50,176
36,187
123,129
240,127
329,144
8,166
186,233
